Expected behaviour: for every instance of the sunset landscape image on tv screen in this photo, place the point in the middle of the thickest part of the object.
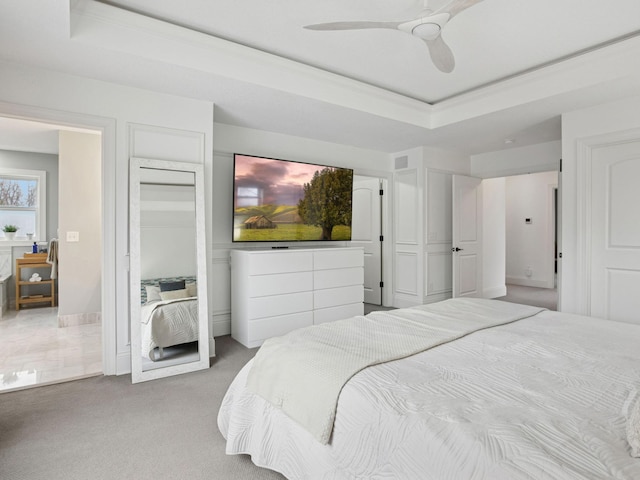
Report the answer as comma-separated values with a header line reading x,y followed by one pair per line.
x,y
281,200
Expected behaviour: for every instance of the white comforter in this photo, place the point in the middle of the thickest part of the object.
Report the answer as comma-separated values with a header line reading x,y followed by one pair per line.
x,y
335,351
542,398
168,322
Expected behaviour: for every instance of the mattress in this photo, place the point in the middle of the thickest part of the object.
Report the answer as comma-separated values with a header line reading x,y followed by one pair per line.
x,y
545,397
168,322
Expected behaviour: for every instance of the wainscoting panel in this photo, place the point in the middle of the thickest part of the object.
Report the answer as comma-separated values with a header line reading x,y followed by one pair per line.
x,y
439,274
622,299
439,215
406,273
149,141
220,283
406,207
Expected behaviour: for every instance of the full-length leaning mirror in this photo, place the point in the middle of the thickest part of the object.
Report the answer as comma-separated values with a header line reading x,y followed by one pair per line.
x,y
169,320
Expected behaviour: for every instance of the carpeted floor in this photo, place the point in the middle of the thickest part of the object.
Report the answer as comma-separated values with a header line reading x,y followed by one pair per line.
x,y
538,297
107,428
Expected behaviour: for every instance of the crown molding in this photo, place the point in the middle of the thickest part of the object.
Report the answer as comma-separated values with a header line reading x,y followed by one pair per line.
x,y
113,28
109,27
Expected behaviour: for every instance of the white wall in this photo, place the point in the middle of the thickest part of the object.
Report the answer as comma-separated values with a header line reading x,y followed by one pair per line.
x,y
80,263
134,122
229,140
493,238
541,157
530,246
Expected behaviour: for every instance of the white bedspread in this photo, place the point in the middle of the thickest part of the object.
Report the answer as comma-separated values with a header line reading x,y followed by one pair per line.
x,y
303,372
168,322
543,398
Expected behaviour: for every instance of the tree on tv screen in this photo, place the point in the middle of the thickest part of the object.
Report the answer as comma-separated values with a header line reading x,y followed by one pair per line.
x,y
327,200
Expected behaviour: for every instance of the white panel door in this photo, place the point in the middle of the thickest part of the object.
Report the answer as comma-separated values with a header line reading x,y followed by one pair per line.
x,y
615,232
467,236
366,229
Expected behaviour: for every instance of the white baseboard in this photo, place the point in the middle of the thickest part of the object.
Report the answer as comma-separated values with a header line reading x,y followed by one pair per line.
x,y
526,282
400,302
76,319
123,363
439,297
221,324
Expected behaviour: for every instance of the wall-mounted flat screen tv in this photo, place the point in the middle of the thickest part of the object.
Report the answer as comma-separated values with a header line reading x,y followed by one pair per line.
x,y
290,201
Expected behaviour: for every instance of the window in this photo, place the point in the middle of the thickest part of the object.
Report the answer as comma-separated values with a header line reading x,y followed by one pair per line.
x,y
22,203
248,196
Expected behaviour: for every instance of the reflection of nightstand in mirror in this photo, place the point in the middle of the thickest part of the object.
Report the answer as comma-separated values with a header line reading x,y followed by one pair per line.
x,y
24,296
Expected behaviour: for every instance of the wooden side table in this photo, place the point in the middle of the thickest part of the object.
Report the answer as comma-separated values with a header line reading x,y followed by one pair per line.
x,y
33,261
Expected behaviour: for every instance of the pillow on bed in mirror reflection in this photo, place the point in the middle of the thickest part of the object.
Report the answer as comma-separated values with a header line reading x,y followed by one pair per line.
x,y
153,293
168,286
174,294
192,289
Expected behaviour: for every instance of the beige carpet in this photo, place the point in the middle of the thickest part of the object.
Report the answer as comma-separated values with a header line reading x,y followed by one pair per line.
x,y
107,428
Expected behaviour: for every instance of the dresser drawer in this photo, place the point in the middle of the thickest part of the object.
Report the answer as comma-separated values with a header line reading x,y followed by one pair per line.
x,y
275,305
265,285
331,297
275,326
341,312
329,258
280,262
338,278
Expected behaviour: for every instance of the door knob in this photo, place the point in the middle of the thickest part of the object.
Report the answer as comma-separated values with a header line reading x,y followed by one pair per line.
x,y
456,249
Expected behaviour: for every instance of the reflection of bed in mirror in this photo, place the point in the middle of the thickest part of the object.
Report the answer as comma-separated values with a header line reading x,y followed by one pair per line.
x,y
169,316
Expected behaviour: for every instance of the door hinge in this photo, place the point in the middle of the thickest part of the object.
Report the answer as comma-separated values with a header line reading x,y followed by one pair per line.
x,y
381,284
560,165
382,238
381,192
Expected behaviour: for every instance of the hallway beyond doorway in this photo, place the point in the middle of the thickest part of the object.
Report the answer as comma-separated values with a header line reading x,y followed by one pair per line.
x,y
538,297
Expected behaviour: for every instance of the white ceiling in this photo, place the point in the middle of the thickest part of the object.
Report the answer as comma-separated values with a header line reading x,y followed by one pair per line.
x,y
519,65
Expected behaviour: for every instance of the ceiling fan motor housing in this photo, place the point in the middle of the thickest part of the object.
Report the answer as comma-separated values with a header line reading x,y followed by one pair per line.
x,y
427,27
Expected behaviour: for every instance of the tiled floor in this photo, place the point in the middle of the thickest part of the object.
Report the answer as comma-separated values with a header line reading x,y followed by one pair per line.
x,y
34,351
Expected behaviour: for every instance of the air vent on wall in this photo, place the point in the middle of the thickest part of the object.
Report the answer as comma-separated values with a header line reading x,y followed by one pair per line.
x,y
402,162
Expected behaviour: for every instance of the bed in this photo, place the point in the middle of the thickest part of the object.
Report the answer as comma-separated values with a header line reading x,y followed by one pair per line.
x,y
536,395
169,314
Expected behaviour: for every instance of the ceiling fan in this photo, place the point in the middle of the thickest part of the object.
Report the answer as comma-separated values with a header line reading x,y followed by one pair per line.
x,y
427,26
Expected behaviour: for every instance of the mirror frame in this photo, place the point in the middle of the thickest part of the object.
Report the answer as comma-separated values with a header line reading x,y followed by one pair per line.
x,y
137,374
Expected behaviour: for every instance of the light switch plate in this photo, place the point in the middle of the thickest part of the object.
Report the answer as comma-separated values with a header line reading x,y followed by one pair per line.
x,y
73,236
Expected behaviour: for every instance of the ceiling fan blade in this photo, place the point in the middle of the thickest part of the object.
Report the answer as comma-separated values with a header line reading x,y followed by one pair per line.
x,y
456,6
441,54
352,25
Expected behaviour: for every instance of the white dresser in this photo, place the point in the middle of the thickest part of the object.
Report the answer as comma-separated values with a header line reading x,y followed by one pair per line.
x,y
276,291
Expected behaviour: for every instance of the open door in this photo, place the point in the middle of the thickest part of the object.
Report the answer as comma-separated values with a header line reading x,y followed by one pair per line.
x,y
366,230
467,236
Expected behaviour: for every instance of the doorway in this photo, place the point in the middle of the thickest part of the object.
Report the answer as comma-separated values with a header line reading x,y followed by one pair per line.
x,y
39,345
531,238
367,232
